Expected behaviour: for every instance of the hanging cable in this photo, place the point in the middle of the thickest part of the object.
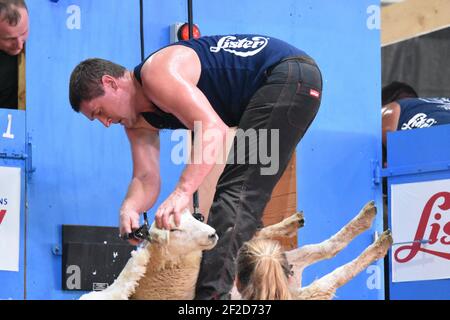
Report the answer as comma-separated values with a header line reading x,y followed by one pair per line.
x,y
195,199
141,17
190,20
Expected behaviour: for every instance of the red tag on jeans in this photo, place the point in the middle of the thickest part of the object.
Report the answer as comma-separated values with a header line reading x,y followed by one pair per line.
x,y
314,93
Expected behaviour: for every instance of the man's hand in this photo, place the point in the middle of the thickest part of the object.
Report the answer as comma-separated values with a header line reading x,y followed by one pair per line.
x,y
129,221
174,205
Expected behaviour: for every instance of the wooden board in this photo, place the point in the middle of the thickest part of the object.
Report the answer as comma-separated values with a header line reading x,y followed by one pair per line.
x,y
22,86
283,202
413,18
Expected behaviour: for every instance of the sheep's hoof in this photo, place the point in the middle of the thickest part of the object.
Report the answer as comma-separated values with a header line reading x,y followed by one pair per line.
x,y
383,243
367,215
289,226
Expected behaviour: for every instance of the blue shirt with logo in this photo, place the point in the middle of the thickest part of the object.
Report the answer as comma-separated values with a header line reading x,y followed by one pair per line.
x,y
423,112
233,68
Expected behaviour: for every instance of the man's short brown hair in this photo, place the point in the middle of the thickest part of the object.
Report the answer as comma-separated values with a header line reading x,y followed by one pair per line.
x,y
9,12
86,80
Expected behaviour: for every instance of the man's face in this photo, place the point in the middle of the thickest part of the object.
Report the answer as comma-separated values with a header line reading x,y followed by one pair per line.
x,y
111,108
12,38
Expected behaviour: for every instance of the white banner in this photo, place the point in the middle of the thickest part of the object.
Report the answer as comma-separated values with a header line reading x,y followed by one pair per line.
x,y
9,218
420,222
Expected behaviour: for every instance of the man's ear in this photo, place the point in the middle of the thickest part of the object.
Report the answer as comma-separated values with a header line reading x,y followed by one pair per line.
x,y
109,81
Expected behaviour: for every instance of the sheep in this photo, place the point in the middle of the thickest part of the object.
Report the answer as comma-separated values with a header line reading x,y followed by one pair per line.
x,y
325,287
177,261
171,257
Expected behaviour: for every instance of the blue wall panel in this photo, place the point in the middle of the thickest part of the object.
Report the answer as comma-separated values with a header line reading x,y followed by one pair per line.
x,y
12,283
429,151
335,157
82,169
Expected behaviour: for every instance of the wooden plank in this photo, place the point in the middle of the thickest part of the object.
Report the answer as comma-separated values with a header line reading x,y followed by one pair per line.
x,y
288,181
283,203
413,18
21,94
279,208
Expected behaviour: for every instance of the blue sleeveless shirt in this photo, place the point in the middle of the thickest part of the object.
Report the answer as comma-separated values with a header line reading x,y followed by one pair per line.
x,y
233,68
423,112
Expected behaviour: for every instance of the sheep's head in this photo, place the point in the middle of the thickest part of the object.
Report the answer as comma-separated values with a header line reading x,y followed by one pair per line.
x,y
190,235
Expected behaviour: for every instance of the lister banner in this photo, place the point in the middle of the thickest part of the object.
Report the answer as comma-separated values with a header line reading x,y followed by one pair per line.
x,y
421,230
9,218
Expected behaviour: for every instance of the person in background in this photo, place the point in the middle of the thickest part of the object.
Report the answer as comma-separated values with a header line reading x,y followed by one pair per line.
x,y
403,109
14,28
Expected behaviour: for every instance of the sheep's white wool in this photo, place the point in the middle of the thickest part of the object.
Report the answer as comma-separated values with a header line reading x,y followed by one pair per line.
x,y
173,257
167,250
125,285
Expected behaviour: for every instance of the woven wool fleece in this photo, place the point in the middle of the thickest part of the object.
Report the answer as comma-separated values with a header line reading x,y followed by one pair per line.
x,y
165,268
128,279
172,279
151,275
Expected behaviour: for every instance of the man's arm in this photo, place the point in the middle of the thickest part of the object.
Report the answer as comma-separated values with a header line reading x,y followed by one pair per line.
x,y
170,81
390,115
145,184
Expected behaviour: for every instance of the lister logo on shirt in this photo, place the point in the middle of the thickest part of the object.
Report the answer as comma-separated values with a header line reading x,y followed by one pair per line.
x,y
241,47
420,120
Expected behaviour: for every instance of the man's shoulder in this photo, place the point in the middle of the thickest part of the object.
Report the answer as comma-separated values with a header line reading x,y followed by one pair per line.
x,y
8,78
410,102
7,61
422,102
435,100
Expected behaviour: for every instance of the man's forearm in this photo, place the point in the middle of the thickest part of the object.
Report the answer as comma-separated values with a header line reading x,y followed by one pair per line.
x,y
203,159
193,176
142,194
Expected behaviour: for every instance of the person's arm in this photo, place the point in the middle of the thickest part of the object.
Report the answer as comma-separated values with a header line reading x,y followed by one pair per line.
x,y
145,184
170,81
390,115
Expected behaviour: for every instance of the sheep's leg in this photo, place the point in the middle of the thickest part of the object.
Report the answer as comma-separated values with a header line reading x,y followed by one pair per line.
x,y
309,254
325,287
304,256
286,228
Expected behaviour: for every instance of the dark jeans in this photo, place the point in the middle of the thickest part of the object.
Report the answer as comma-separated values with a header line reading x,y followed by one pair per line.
x,y
287,101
